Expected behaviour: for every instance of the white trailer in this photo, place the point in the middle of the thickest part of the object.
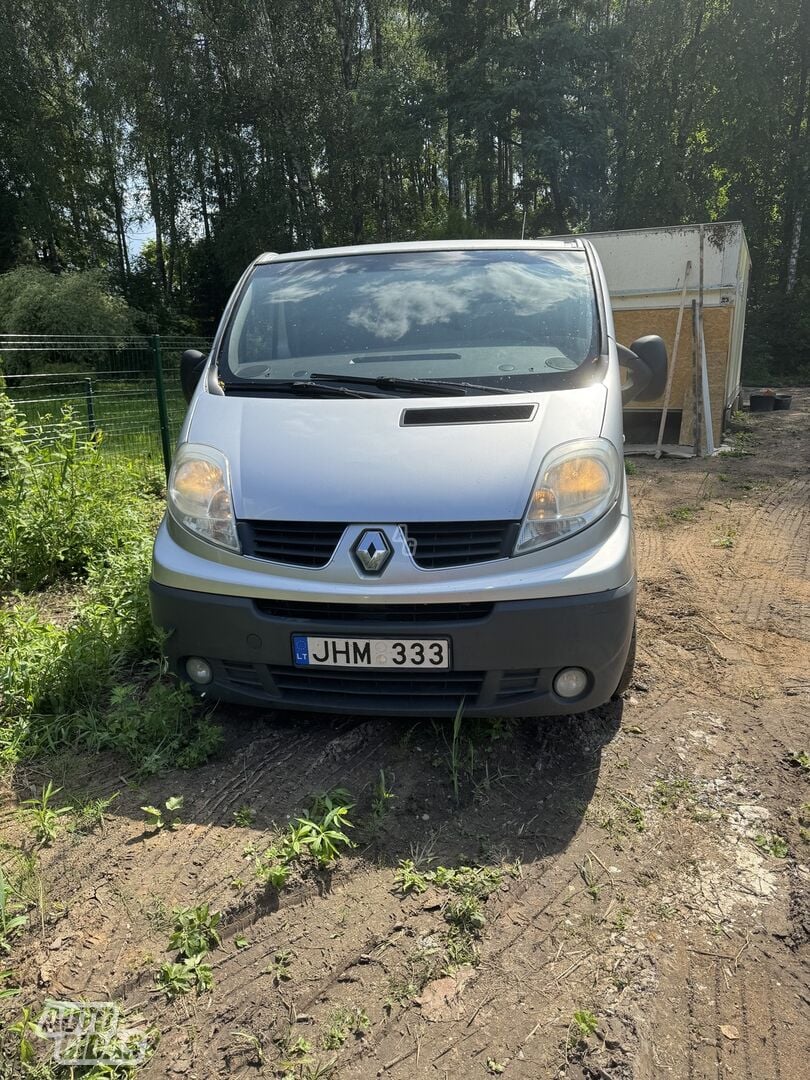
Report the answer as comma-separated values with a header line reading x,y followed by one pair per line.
x,y
646,270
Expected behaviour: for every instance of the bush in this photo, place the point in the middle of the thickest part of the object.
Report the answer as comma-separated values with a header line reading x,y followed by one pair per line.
x,y
35,301
63,506
68,512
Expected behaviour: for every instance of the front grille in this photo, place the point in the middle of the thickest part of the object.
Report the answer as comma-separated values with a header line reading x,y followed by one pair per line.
x,y
434,689
434,544
368,614
458,543
298,543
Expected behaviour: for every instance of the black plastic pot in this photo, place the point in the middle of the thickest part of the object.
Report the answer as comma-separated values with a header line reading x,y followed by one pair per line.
x,y
763,402
782,401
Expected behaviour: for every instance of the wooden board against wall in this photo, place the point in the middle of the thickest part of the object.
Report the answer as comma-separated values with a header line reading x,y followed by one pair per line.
x,y
717,330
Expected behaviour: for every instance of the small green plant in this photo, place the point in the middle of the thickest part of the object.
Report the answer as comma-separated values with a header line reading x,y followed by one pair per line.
x,y
195,930
584,1023
244,816
157,914
44,817
727,540
774,845
251,1043
321,833
467,888
592,886
381,799
800,759
293,1049
684,513
465,913
342,1023
497,1067
91,814
410,880
279,969
13,918
670,793
23,1028
164,817
630,467
6,991
190,973
455,748
274,874
633,812
195,933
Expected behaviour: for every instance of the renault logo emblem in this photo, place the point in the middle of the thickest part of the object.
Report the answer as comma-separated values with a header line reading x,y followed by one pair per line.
x,y
372,551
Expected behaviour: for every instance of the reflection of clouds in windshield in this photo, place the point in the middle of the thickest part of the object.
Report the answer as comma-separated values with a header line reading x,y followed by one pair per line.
x,y
531,291
295,281
390,311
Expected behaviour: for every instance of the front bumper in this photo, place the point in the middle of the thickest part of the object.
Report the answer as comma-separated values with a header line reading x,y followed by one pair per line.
x,y
504,654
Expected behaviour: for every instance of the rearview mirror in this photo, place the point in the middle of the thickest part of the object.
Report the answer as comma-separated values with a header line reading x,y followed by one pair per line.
x,y
192,363
646,360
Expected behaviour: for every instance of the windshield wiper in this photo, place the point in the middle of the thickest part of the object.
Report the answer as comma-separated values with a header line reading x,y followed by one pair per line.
x,y
305,387
392,382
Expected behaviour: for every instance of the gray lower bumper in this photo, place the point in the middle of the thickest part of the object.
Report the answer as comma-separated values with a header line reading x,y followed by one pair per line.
x,y
504,655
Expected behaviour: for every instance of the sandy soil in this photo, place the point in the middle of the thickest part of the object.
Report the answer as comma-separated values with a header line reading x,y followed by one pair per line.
x,y
658,848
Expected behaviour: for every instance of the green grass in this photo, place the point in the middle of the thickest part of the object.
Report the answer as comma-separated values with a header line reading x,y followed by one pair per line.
x,y
70,515
684,513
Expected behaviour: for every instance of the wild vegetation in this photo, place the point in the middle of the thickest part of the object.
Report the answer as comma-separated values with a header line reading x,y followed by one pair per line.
x,y
82,523
239,127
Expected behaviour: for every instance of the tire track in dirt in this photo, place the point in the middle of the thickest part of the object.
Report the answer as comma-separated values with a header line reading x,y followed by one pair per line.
x,y
159,866
240,983
770,588
328,990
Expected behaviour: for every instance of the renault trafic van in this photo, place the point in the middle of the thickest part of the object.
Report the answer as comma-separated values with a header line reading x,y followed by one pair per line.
x,y
400,486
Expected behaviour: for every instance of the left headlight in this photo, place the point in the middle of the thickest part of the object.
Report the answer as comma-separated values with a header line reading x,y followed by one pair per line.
x,y
577,484
200,494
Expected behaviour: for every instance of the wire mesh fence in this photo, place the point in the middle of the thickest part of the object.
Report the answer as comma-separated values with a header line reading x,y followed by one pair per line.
x,y
122,392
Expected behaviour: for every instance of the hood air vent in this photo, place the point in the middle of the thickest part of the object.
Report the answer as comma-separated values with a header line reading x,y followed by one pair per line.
x,y
468,414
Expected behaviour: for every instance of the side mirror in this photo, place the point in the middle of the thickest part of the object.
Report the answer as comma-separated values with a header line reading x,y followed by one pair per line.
x,y
646,360
192,363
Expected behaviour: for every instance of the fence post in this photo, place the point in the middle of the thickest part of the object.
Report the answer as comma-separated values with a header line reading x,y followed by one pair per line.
x,y
91,408
163,412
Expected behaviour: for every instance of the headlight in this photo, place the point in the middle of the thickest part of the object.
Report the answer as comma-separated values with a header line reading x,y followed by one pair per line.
x,y
578,482
200,494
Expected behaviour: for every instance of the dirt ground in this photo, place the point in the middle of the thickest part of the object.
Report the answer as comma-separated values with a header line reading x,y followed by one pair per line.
x,y
658,847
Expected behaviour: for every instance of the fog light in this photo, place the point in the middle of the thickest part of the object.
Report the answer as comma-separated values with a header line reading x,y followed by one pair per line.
x,y
570,682
199,670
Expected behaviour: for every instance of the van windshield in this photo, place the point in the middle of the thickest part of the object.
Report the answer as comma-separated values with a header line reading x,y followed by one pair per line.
x,y
511,319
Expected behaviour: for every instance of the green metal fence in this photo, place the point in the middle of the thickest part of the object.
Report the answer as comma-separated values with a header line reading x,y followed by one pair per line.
x,y
123,391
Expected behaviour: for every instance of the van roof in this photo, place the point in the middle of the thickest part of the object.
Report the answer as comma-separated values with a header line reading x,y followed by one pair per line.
x,y
559,244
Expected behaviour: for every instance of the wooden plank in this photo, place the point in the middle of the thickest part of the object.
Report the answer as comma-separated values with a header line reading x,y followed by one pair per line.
x,y
673,357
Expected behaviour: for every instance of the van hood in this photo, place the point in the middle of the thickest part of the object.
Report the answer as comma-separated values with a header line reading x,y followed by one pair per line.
x,y
352,460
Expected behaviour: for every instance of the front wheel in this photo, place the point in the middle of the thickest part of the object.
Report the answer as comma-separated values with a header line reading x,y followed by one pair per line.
x,y
630,663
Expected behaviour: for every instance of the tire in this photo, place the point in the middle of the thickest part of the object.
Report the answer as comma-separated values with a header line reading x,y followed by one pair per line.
x,y
629,665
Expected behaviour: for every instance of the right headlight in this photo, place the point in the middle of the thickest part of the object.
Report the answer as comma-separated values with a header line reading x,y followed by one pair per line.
x,y
577,484
199,492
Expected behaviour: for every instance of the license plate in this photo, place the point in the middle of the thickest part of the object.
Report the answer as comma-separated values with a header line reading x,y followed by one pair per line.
x,y
390,653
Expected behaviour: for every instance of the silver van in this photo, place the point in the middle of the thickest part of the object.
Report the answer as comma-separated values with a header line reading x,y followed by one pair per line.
x,y
400,485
